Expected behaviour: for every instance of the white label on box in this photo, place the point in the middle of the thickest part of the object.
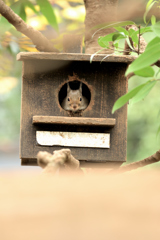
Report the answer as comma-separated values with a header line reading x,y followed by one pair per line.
x,y
73,139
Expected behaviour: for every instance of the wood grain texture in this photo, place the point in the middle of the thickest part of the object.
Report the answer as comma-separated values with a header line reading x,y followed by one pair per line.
x,y
41,83
73,57
110,122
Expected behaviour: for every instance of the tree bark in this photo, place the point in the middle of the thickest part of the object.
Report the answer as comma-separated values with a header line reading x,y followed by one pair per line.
x,y
149,160
98,12
39,40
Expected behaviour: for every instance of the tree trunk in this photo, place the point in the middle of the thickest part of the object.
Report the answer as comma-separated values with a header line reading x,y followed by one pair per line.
x,y
98,12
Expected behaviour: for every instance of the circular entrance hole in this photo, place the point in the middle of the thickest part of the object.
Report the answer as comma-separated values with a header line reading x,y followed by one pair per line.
x,y
77,91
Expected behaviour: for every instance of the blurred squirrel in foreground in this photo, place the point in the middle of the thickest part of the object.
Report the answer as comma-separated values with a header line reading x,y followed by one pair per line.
x,y
74,101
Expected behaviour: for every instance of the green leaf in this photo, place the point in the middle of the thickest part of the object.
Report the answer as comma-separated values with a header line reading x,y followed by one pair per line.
x,y
144,91
144,30
47,10
107,38
22,13
16,7
133,35
149,6
123,30
153,42
153,19
157,73
132,32
156,28
117,36
114,24
145,72
104,41
31,6
150,56
129,43
116,44
125,98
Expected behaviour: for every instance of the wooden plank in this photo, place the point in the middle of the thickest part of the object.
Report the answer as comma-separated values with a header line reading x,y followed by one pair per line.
x,y
73,139
74,57
110,122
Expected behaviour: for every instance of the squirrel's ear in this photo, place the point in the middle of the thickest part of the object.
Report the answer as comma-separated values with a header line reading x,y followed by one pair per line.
x,y
68,87
80,87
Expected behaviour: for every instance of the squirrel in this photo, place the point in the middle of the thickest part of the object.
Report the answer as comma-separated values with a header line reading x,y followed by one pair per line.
x,y
74,101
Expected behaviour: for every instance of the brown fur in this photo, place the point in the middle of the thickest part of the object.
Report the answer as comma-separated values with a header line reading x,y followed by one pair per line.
x,y
74,101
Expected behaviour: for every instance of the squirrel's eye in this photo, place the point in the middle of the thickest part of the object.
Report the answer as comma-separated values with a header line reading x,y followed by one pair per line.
x,y
68,99
80,99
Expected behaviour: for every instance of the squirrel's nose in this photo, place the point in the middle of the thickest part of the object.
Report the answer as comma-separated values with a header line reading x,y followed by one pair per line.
x,y
74,107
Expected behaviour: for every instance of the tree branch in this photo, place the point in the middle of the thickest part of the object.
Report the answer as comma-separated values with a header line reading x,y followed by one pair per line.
x,y
39,40
152,159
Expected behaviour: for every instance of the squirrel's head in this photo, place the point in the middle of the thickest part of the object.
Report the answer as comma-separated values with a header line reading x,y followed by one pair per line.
x,y
74,98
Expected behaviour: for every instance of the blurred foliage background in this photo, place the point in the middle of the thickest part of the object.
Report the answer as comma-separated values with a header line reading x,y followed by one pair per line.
x,y
65,17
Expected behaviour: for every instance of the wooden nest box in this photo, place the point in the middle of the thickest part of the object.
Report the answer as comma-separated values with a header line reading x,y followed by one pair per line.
x,y
93,134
